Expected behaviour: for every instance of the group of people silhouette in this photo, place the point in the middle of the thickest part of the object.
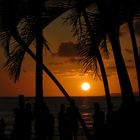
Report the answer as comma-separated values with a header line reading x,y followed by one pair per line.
x,y
39,124
123,123
67,123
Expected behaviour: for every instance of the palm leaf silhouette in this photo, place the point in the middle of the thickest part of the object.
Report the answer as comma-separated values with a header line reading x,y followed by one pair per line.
x,y
82,21
13,29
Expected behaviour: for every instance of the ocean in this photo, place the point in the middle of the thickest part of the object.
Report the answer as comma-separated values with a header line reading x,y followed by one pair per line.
x,y
85,105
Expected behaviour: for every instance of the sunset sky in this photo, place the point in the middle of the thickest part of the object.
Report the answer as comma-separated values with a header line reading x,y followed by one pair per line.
x,y
65,67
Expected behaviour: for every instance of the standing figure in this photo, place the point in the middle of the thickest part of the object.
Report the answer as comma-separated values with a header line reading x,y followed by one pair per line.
x,y
73,121
62,122
28,121
50,126
19,121
2,129
98,122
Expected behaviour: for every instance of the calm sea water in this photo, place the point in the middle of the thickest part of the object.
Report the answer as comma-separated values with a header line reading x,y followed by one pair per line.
x,y
85,105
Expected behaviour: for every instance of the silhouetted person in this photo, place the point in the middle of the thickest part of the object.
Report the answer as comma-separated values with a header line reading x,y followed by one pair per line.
x,y
112,121
127,121
50,126
19,120
42,118
15,131
2,129
136,125
62,122
21,102
69,131
18,128
99,120
28,121
73,121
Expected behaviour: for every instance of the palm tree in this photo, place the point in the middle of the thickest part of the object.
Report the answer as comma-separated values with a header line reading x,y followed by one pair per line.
x,y
130,11
18,55
82,27
110,23
30,26
135,51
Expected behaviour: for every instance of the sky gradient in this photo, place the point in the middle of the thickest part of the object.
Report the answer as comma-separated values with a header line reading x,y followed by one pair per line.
x,y
64,65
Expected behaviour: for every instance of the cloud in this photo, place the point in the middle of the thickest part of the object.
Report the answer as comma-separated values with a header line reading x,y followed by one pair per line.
x,y
114,67
65,62
73,60
72,74
68,49
130,61
56,63
111,67
123,30
131,67
24,71
128,50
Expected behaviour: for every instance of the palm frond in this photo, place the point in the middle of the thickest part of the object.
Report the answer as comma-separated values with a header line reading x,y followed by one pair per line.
x,y
89,62
14,61
16,52
104,48
45,42
26,29
5,40
88,54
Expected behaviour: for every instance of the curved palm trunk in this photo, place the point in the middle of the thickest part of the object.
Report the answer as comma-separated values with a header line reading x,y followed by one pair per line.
x,y
107,11
39,62
105,81
23,44
135,51
125,85
100,61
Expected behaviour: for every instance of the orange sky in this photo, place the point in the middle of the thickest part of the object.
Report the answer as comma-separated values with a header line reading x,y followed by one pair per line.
x,y
69,74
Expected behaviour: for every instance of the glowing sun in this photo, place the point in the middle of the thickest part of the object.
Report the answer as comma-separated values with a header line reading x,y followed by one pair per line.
x,y
85,86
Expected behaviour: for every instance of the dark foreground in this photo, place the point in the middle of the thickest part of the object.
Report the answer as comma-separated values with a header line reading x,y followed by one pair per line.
x,y
38,123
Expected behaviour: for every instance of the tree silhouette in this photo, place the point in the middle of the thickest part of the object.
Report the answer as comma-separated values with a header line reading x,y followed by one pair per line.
x,y
80,19
131,11
110,23
24,40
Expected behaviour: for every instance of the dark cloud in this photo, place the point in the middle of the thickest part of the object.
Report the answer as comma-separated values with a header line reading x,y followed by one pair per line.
x,y
114,67
56,63
137,27
123,30
24,71
130,61
131,67
65,62
68,49
128,50
74,59
111,67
